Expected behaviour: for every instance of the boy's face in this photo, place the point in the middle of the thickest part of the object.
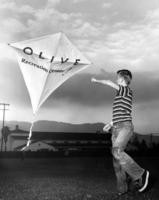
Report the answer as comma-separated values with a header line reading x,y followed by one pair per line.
x,y
120,80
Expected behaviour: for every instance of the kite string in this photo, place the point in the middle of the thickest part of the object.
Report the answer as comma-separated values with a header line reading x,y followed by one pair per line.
x,y
30,135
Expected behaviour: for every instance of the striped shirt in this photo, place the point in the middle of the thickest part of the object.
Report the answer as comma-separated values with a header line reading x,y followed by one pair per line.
x,y
122,106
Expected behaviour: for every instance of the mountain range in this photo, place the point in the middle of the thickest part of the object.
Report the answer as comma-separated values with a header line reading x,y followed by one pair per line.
x,y
53,126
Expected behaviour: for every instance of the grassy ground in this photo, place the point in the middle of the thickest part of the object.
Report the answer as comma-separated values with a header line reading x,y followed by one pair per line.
x,y
66,179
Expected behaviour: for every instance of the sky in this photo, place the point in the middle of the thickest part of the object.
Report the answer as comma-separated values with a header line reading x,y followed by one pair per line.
x,y
112,34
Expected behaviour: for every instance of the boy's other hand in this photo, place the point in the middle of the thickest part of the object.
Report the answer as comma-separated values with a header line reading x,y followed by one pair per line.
x,y
107,127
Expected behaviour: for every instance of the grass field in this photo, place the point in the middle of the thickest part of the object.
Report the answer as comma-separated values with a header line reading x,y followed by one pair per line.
x,y
67,179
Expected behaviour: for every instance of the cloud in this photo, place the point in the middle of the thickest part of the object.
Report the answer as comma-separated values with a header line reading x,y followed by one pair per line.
x,y
78,1
107,5
13,20
87,30
80,90
13,89
144,117
11,9
54,2
145,87
111,34
78,93
135,46
24,21
13,26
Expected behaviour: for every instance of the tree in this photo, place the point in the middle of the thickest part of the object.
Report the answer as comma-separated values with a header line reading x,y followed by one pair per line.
x,y
5,132
136,142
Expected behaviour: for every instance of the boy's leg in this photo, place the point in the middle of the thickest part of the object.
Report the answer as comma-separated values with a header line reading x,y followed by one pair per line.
x,y
127,163
121,177
119,172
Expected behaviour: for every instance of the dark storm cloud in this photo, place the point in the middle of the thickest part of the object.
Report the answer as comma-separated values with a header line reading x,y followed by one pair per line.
x,y
80,90
13,88
146,87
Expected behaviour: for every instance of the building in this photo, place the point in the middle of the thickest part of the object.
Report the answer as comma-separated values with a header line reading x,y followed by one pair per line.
x,y
36,146
56,141
17,137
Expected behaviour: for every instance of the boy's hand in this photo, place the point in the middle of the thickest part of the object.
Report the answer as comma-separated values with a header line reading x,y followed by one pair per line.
x,y
106,82
94,80
107,127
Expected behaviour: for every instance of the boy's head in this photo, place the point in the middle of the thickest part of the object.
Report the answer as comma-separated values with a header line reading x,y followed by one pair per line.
x,y
124,76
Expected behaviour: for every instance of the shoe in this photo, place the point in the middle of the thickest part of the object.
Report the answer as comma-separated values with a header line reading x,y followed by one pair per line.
x,y
145,181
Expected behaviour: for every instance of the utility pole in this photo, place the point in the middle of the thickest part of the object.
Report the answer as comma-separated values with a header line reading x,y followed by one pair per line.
x,y
4,108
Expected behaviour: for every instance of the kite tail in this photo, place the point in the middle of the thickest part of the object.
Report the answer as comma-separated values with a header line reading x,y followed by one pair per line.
x,y
30,134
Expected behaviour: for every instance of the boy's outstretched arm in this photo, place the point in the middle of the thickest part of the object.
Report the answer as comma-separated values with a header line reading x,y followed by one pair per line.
x,y
106,82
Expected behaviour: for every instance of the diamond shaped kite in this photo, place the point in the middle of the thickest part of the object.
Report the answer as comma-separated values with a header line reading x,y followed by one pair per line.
x,y
46,63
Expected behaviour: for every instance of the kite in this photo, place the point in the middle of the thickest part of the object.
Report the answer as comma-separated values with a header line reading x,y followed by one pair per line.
x,y
46,63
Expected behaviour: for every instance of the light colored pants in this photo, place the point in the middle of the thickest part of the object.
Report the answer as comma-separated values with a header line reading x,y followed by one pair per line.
x,y
123,164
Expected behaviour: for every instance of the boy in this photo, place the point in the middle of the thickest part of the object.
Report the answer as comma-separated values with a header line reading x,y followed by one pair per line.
x,y
122,130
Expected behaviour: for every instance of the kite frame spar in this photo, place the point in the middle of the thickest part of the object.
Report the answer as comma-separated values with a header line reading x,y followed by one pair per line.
x,y
62,54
